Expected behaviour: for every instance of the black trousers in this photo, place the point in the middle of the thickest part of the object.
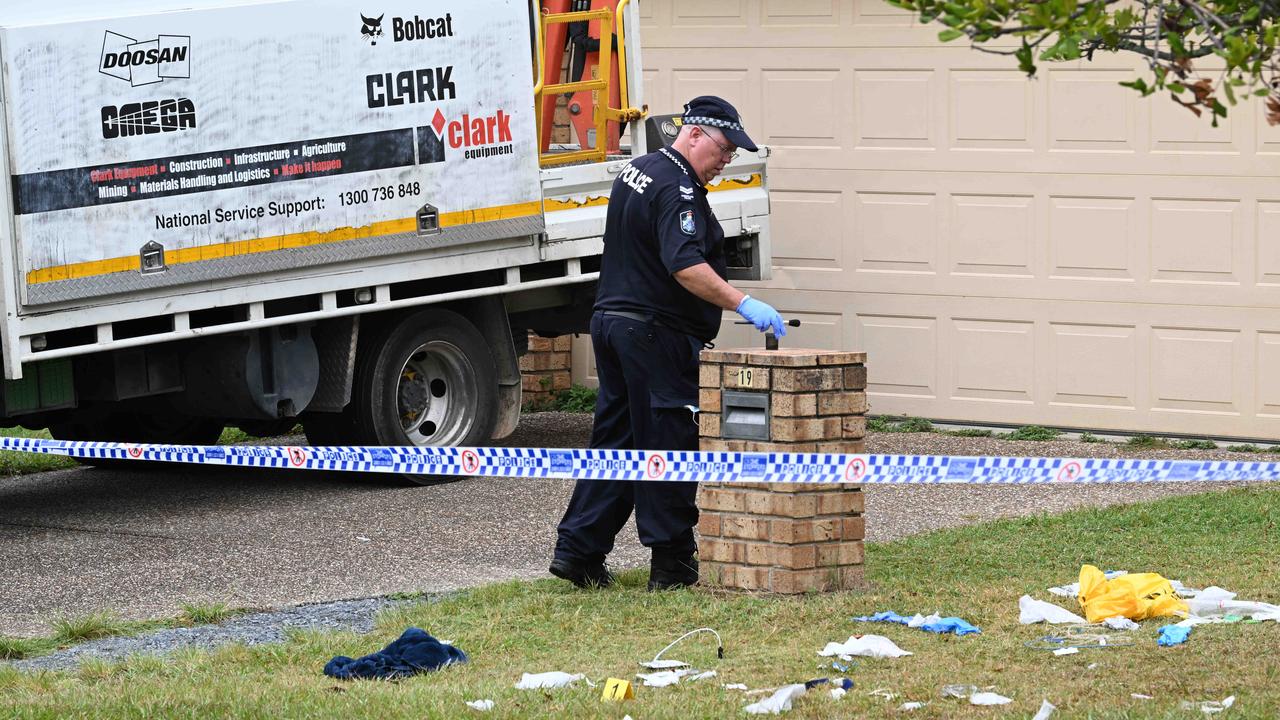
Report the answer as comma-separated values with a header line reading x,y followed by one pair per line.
x,y
648,383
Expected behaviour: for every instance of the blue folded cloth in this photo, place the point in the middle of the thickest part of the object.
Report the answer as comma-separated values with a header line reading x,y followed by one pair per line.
x,y
1173,635
943,625
414,652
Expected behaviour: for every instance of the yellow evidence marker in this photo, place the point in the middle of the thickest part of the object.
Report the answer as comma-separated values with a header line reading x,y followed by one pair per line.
x,y
616,690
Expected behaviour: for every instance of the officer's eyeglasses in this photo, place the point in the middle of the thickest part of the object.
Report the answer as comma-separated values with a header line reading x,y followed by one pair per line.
x,y
724,149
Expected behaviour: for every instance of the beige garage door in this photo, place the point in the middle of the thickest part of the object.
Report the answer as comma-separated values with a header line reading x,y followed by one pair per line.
x,y
1057,251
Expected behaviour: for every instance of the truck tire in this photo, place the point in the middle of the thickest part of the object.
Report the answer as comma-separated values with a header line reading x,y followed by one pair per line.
x,y
427,380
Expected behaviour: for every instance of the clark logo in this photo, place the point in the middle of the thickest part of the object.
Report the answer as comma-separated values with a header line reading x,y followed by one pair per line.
x,y
145,62
148,118
483,136
410,86
371,28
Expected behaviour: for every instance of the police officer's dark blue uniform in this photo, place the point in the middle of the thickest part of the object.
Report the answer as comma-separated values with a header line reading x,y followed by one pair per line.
x,y
647,331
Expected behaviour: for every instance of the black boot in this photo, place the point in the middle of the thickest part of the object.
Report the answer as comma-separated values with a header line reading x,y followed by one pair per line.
x,y
582,575
669,573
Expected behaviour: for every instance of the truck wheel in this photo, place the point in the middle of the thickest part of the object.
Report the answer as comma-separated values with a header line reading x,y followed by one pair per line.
x,y
428,380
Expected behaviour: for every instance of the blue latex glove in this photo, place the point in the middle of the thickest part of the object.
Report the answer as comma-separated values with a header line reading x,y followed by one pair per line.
x,y
951,625
762,315
1173,635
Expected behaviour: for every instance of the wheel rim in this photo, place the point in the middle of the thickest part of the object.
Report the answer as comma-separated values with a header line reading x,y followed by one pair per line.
x,y
437,394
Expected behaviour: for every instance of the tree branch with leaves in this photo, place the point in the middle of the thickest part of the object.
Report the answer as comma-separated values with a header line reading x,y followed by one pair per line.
x,y
1203,52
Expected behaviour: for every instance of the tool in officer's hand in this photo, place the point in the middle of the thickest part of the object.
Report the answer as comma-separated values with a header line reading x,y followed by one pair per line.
x,y
770,340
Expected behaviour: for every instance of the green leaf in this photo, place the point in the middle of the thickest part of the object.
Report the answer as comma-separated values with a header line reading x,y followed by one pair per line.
x,y
949,35
1026,63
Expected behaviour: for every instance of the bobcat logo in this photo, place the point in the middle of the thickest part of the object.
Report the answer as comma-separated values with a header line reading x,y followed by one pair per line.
x,y
371,29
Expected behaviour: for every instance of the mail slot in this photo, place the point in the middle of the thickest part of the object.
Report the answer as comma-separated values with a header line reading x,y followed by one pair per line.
x,y
744,415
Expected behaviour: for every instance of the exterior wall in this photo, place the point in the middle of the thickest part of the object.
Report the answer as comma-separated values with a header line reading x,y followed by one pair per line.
x,y
544,371
1057,251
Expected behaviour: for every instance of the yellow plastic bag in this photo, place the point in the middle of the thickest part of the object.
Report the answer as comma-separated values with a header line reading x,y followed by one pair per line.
x,y
1137,596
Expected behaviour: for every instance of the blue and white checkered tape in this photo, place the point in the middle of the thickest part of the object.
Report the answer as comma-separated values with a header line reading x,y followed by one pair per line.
x,y
670,466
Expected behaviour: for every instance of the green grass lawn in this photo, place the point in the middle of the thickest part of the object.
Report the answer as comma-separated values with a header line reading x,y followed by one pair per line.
x,y
1230,539
13,462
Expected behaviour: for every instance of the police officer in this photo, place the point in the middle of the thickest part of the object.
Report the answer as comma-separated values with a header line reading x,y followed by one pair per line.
x,y
660,298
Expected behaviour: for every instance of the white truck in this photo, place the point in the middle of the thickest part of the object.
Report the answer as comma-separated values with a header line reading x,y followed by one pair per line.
x,y
262,213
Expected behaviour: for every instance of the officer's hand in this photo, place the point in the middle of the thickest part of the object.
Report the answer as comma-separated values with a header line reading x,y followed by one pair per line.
x,y
762,315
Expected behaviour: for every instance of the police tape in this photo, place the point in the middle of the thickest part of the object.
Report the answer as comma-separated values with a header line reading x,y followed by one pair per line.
x,y
667,466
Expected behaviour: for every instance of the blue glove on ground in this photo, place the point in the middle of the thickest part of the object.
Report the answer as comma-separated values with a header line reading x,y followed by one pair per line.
x,y
762,315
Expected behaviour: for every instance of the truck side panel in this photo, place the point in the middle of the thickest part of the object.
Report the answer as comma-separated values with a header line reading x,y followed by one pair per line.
x,y
153,153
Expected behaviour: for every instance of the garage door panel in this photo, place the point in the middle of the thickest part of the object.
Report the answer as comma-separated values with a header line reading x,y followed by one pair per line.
x,y
1196,241
993,235
820,92
906,352
807,229
690,82
974,126
1268,376
1090,238
895,109
1089,111
1093,366
1196,370
992,360
717,14
808,13
1176,131
895,233
1267,241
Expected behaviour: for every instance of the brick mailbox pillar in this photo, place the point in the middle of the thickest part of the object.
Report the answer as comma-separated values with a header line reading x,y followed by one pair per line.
x,y
782,537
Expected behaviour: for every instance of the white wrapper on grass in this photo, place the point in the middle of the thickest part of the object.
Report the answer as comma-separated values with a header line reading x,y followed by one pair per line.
x,y
1214,601
908,706
1119,622
876,646
1066,651
1034,611
988,698
734,686
778,702
1209,707
1046,709
662,678
548,680
837,693
481,705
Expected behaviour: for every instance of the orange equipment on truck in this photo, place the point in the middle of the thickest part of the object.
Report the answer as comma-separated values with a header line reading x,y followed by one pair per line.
x,y
574,48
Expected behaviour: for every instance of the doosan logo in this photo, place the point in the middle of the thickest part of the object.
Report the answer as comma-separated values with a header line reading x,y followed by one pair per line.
x,y
482,135
145,62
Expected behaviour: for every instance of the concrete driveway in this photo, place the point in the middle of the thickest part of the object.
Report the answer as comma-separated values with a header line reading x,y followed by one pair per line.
x,y
139,544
